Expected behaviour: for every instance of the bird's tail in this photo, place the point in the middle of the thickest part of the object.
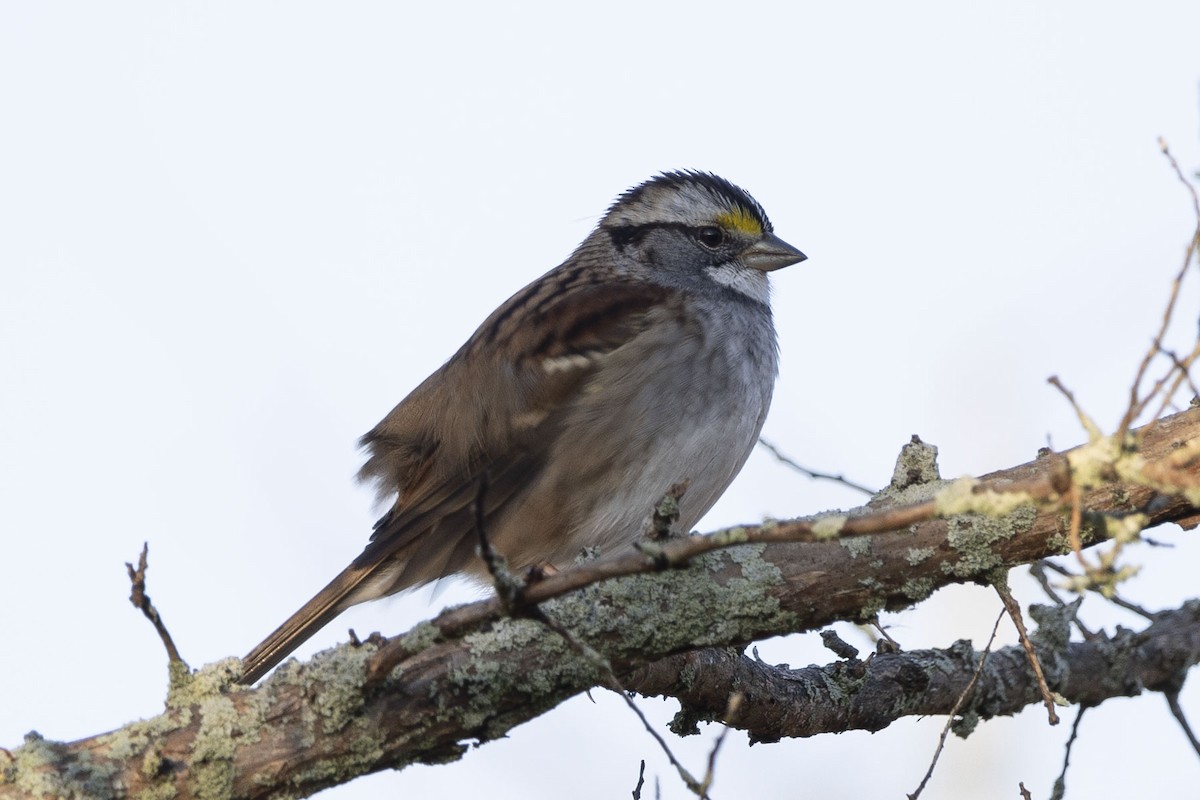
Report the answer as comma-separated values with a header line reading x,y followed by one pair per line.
x,y
314,615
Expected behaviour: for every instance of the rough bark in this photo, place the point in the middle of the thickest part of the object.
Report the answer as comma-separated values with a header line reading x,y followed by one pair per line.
x,y
872,693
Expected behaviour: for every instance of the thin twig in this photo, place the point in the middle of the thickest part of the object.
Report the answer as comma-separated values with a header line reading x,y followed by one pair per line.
x,y
1060,783
637,790
1089,425
731,710
1014,610
1138,405
887,637
1134,607
812,473
1184,365
1038,571
1162,143
1177,712
141,601
508,587
511,590
1075,531
1180,369
958,704
613,683
1114,598
1025,793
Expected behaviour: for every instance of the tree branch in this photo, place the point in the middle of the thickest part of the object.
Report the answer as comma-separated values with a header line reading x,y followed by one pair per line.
x,y
870,695
472,673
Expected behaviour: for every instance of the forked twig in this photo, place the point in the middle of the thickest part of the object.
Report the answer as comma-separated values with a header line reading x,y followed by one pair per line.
x,y
1138,404
141,601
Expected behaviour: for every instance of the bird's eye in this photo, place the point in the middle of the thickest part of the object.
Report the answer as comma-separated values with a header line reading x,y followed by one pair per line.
x,y
710,236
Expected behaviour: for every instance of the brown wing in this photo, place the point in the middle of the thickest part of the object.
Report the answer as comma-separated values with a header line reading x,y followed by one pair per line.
x,y
434,448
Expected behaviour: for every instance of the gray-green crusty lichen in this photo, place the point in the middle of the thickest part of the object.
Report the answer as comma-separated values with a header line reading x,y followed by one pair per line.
x,y
37,769
205,696
476,686
917,589
974,536
857,545
918,555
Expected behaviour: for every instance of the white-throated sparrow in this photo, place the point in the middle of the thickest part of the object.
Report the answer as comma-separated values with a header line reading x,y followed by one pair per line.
x,y
646,359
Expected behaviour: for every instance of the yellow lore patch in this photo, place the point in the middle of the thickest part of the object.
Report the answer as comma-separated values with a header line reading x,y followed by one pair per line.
x,y
738,219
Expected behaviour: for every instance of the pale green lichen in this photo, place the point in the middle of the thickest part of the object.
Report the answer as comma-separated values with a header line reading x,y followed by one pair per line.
x,y
1103,581
917,589
37,770
338,676
917,555
872,607
213,748
728,536
829,527
913,494
1125,529
973,537
961,497
872,583
857,546
212,679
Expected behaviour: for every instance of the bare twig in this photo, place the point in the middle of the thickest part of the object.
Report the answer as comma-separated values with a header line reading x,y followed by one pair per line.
x,y
1183,367
511,590
637,790
812,473
1162,143
1038,571
1177,712
1014,611
731,710
1180,372
1060,783
1074,531
1138,404
141,601
1089,425
962,698
1134,607
1025,793
892,644
1115,599
508,587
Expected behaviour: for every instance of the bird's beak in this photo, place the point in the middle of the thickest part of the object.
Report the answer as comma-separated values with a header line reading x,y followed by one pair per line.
x,y
770,253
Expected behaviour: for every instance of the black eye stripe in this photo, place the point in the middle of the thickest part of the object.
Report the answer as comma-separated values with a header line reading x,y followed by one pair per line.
x,y
624,235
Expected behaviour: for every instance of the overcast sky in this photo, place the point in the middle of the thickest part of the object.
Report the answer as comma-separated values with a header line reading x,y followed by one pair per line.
x,y
233,235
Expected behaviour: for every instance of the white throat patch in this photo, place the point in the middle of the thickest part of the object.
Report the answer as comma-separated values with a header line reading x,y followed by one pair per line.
x,y
749,282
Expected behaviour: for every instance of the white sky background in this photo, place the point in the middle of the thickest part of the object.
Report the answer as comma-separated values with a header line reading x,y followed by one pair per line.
x,y
232,236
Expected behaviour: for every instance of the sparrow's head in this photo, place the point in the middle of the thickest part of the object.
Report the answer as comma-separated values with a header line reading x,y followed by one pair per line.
x,y
688,224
